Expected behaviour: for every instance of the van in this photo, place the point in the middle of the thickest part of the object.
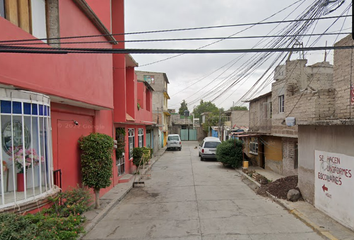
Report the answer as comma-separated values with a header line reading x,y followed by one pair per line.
x,y
207,148
174,141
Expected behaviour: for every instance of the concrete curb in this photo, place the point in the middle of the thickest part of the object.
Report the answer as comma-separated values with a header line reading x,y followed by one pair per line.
x,y
114,202
323,233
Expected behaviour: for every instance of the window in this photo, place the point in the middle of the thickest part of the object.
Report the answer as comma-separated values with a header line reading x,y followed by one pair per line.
x,y
141,137
120,159
2,8
173,138
30,15
131,140
211,144
26,150
149,78
281,103
254,146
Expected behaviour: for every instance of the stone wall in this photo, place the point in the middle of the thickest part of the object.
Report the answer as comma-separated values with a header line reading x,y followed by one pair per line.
x,y
343,77
239,119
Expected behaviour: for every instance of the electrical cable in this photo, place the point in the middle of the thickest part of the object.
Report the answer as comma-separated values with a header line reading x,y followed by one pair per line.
x,y
167,30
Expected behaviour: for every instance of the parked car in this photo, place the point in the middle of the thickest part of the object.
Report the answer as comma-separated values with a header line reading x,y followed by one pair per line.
x,y
174,141
207,148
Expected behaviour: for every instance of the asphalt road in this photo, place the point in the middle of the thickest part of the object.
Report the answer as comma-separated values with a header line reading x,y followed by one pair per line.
x,y
188,199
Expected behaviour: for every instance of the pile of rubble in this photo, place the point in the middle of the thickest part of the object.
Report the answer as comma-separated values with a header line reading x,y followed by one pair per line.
x,y
283,188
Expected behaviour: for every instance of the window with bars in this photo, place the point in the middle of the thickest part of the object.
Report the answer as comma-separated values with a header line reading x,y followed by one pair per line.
x,y
281,103
131,140
254,146
26,150
141,137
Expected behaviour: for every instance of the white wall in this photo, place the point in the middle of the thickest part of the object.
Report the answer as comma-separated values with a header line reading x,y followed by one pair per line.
x,y
333,193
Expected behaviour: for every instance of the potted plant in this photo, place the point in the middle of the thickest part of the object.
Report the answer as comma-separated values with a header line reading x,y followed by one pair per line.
x,y
23,160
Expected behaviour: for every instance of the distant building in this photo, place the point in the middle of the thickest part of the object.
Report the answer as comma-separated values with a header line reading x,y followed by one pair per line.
x,y
161,114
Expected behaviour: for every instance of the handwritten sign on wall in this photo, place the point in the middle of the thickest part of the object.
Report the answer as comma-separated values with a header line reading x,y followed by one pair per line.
x,y
334,186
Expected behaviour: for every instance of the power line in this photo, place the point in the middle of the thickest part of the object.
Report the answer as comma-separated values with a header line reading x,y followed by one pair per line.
x,y
14,49
189,39
174,30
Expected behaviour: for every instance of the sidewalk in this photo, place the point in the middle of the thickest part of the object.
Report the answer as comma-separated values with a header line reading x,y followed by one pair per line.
x,y
114,196
307,213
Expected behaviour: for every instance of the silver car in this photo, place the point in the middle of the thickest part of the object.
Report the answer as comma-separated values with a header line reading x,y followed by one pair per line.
x,y
174,141
207,148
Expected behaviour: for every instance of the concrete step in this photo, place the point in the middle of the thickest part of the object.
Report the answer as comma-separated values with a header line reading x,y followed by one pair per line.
x,y
125,178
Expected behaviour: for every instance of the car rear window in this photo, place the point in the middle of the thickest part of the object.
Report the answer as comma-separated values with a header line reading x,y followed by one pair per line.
x,y
173,138
211,144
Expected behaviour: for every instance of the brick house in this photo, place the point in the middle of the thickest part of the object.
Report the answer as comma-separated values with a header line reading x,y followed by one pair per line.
x,y
272,141
326,153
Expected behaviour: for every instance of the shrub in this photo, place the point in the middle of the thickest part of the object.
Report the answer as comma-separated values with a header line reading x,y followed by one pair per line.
x,y
137,156
96,162
71,202
39,226
14,226
229,153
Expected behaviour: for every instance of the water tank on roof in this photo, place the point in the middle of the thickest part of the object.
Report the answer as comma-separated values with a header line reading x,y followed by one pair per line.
x,y
290,121
186,113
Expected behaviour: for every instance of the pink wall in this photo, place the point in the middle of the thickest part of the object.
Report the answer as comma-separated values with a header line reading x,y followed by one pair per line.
x,y
141,91
101,9
86,78
131,92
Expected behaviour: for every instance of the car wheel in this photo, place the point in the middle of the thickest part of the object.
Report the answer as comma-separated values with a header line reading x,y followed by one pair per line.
x,y
180,148
201,159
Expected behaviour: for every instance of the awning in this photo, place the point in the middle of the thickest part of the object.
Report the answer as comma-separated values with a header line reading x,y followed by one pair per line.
x,y
129,118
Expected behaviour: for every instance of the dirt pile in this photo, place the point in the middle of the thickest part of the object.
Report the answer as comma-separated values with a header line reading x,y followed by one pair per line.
x,y
280,187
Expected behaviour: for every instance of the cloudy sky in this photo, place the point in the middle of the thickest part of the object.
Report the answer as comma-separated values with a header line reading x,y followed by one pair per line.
x,y
224,78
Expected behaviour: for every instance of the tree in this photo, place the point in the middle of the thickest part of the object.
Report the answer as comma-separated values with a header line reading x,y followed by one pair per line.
x,y
183,107
238,108
212,117
96,162
204,107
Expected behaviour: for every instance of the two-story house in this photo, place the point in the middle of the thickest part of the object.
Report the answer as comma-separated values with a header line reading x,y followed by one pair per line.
x,y
48,101
326,140
272,141
160,97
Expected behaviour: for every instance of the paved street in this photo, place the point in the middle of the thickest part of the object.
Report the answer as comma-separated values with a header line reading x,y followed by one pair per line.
x,y
189,199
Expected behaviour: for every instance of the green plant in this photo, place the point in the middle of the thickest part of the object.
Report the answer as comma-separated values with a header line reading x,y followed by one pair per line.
x,y
71,202
137,156
229,153
146,154
138,106
39,226
12,226
96,162
52,227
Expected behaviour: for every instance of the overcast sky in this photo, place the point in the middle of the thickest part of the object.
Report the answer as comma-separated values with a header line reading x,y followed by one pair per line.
x,y
204,76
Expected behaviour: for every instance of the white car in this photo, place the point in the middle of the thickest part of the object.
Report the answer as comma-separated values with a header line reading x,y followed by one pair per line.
x,y
207,148
174,141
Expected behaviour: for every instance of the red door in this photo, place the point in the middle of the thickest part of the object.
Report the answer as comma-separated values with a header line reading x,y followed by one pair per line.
x,y
70,128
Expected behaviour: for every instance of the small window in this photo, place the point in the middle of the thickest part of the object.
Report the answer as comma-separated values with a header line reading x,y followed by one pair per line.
x,y
281,103
141,137
131,140
2,8
254,147
149,78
